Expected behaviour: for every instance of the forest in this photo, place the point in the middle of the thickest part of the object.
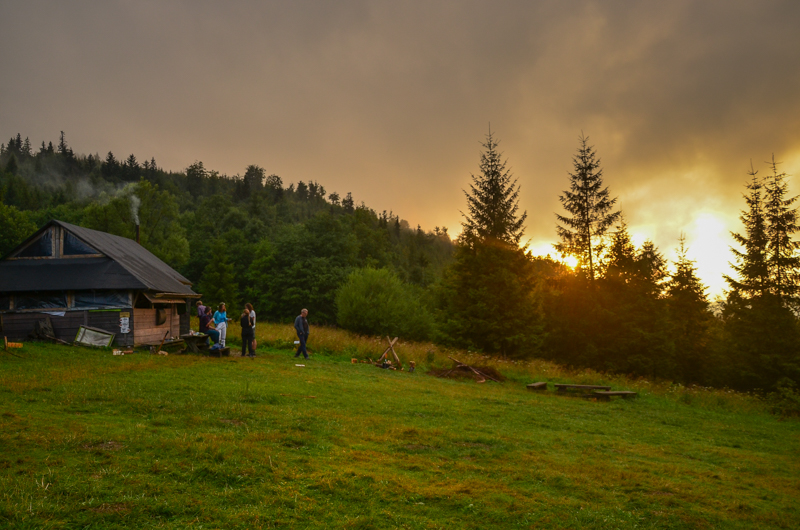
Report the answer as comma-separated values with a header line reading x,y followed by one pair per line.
x,y
282,246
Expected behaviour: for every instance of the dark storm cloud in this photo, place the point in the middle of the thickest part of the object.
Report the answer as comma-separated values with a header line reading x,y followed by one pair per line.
x,y
391,99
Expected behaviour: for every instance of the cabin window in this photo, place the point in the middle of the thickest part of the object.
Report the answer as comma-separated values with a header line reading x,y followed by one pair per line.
x,y
49,300
100,299
5,303
41,248
75,247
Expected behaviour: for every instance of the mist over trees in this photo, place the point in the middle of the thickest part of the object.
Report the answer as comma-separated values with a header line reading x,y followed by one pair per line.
x,y
282,246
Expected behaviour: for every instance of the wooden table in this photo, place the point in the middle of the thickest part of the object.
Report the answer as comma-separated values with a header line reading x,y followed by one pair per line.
x,y
196,343
562,387
171,345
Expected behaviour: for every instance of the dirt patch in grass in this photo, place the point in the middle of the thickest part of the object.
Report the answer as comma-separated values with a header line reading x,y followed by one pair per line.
x,y
110,445
465,373
117,507
236,423
476,445
417,447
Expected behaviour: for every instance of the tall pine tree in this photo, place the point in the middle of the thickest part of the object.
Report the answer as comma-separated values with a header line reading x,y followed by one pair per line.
x,y
761,331
689,316
590,209
751,264
489,297
493,201
781,223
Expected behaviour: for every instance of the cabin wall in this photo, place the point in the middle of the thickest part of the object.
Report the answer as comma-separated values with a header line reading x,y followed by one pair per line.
x,y
146,331
17,326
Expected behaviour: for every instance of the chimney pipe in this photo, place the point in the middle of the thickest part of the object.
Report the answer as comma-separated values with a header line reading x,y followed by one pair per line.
x,y
137,232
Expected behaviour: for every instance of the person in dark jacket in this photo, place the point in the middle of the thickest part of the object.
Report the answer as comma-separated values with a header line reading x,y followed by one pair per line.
x,y
301,327
207,326
248,334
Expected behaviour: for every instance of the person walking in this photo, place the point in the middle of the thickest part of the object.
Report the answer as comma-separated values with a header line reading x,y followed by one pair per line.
x,y
301,327
248,335
221,323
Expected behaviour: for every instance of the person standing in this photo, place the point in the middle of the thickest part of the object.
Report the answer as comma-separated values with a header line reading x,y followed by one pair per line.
x,y
247,333
221,323
249,307
201,309
301,327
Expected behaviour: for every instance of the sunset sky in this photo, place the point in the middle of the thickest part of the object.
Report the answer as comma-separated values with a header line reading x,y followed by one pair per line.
x,y
390,100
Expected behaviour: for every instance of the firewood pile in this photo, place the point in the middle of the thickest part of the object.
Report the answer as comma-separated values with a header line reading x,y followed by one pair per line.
x,y
462,370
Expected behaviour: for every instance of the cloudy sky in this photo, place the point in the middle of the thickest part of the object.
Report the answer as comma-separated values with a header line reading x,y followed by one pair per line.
x,y
391,100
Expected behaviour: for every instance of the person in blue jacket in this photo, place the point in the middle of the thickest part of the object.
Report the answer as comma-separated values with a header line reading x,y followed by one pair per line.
x,y
301,327
221,323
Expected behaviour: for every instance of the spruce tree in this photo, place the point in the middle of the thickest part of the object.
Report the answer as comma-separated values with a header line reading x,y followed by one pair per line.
x,y
590,210
760,329
348,203
751,265
621,267
781,223
689,316
493,201
489,296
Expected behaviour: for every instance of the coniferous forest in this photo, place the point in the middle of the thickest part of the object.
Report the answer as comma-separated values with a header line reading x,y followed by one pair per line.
x,y
282,246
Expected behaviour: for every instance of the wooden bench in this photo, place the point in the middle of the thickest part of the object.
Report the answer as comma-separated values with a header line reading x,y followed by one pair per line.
x,y
606,395
562,387
219,352
540,385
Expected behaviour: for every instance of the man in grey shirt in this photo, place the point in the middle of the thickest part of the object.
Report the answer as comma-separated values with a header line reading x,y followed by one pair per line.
x,y
301,327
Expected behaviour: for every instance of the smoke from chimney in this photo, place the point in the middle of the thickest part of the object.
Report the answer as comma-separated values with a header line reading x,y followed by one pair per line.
x,y
135,203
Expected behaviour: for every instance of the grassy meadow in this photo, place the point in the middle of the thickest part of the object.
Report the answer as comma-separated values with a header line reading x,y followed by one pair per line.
x,y
92,440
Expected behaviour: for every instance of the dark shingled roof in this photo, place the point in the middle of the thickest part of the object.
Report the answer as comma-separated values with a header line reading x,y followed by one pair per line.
x,y
131,266
65,275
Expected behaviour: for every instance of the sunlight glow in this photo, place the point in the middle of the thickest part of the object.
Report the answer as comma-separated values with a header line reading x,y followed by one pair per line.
x,y
541,248
708,243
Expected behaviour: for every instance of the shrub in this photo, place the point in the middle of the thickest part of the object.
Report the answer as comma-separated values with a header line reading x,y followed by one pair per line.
x,y
786,400
377,302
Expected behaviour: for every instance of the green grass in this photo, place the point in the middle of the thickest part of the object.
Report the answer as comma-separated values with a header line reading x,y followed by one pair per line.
x,y
90,440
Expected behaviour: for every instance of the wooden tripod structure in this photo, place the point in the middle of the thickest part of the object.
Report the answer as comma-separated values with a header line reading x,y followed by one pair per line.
x,y
391,349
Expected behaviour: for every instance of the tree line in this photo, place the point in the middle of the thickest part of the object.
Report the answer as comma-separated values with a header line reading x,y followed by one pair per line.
x,y
621,308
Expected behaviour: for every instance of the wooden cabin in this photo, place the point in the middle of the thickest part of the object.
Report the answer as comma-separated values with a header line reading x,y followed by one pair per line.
x,y
82,277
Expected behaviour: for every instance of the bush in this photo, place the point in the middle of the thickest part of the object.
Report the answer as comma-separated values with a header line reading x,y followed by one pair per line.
x,y
377,302
785,401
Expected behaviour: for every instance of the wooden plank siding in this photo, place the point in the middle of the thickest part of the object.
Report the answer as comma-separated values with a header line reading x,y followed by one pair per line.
x,y
17,326
109,320
146,331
